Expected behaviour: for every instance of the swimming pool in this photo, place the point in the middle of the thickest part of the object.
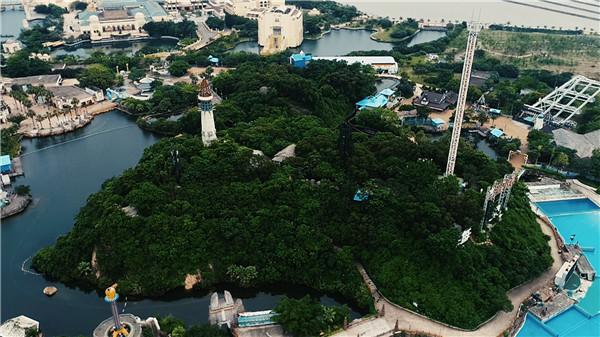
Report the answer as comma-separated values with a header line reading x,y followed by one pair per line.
x,y
581,218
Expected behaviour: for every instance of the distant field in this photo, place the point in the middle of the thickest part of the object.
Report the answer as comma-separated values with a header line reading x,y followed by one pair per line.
x,y
577,54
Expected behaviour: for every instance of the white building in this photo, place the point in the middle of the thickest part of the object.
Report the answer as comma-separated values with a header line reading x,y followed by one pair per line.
x,y
184,5
207,118
46,81
64,96
250,8
280,28
120,18
11,46
383,63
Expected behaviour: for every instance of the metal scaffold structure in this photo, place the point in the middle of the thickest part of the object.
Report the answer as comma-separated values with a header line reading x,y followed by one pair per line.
x,y
566,101
497,195
474,28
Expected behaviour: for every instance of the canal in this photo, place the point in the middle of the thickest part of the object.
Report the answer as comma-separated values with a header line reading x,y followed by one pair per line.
x,y
62,172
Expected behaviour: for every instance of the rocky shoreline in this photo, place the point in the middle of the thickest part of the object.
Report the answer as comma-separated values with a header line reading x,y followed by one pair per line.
x,y
18,204
63,128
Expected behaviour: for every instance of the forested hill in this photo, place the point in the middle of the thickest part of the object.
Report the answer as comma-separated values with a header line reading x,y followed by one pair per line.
x,y
233,216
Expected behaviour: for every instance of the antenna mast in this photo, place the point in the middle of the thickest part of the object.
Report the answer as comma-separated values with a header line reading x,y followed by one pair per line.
x,y
474,28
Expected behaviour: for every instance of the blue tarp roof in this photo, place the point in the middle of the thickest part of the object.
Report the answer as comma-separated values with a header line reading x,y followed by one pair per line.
x,y
4,160
496,132
495,111
377,101
437,121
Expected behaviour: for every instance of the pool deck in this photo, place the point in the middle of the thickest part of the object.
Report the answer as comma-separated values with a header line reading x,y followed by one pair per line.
x,y
552,308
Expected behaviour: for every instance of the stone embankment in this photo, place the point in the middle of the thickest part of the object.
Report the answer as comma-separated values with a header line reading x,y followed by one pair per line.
x,y
31,131
17,204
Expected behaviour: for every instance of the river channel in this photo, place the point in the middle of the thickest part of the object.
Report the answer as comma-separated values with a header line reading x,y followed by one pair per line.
x,y
62,172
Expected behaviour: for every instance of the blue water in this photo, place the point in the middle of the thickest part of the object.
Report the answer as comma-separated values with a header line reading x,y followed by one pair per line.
x,y
581,218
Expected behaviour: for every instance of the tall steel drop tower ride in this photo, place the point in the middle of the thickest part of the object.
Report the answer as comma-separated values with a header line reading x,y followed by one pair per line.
x,y
474,28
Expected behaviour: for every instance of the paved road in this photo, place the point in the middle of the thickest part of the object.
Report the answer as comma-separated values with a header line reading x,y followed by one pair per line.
x,y
205,35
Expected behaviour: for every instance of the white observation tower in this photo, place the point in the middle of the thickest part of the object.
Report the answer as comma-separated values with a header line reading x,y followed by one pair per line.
x,y
209,132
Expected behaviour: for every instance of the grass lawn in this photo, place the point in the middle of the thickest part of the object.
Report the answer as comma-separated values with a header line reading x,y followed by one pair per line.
x,y
555,52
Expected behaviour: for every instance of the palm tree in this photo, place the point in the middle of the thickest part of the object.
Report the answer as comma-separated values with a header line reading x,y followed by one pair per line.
x,y
31,115
49,117
40,119
75,104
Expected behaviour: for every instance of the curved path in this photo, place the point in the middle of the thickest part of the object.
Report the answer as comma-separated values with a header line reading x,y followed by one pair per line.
x,y
409,321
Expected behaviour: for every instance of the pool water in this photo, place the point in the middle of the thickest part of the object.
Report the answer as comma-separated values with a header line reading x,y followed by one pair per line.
x,y
581,218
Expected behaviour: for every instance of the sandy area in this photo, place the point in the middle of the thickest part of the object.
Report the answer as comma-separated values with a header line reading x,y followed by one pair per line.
x,y
511,128
200,70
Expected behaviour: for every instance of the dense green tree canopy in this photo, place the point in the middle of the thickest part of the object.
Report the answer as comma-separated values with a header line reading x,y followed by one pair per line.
x,y
305,317
181,29
20,65
97,75
178,68
236,216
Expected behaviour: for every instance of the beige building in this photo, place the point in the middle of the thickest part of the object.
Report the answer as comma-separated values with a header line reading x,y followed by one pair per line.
x,y
64,96
11,46
119,19
280,28
250,8
184,5
47,81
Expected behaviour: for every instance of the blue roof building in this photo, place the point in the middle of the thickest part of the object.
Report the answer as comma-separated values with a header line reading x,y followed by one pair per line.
x,y
497,133
300,60
5,164
372,102
380,100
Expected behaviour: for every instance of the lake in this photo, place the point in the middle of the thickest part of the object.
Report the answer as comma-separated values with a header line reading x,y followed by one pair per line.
x,y
87,49
11,23
62,172
335,43
425,36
